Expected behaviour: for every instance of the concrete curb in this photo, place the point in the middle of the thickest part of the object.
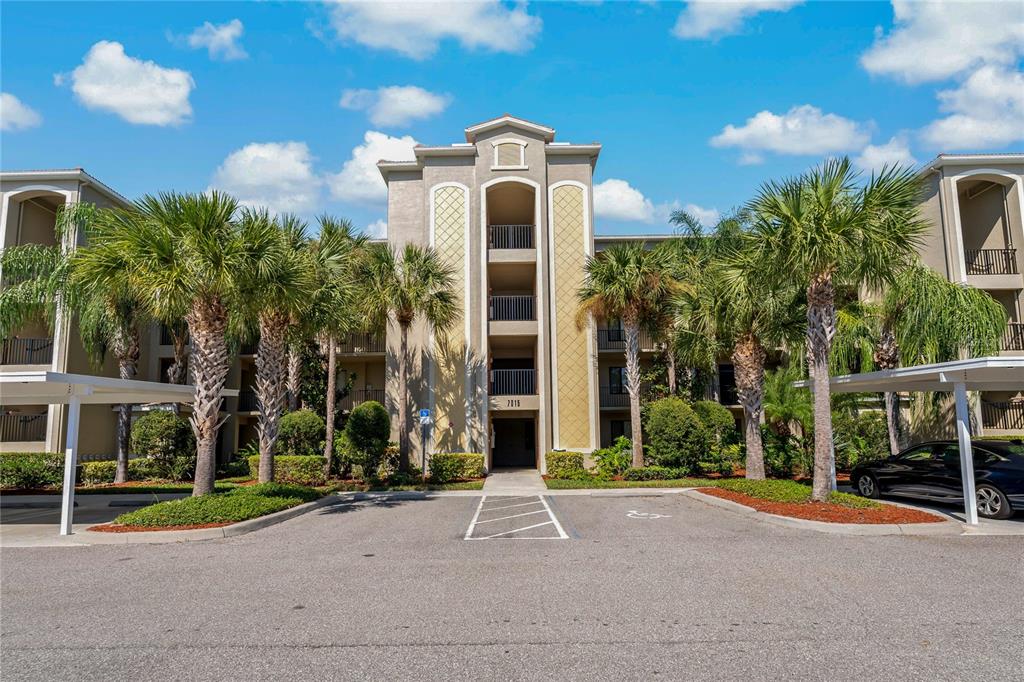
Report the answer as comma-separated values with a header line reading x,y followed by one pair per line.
x,y
171,536
945,527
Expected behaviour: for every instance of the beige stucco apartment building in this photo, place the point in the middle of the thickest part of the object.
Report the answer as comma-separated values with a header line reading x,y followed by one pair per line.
x,y
510,209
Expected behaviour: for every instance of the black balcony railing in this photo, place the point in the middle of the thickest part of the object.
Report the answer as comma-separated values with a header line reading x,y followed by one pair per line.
x,y
27,352
247,401
618,396
991,261
22,428
362,343
613,338
513,307
1013,339
248,348
166,338
1007,415
510,237
513,382
360,396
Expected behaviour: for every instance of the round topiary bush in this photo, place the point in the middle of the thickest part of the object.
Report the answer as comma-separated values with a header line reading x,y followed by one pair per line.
x,y
718,422
166,440
366,435
675,435
301,434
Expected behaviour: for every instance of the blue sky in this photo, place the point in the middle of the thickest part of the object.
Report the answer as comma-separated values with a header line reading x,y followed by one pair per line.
x,y
696,104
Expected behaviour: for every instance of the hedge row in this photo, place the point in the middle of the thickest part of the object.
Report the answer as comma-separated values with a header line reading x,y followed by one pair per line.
x,y
298,469
453,466
29,470
563,464
240,504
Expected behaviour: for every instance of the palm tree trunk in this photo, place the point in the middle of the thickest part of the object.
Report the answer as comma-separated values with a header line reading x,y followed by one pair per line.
x,y
886,356
332,390
207,325
403,399
633,386
294,377
748,358
821,324
126,349
671,361
270,387
176,373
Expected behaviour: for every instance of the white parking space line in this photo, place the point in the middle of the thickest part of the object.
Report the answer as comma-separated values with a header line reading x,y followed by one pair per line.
x,y
504,531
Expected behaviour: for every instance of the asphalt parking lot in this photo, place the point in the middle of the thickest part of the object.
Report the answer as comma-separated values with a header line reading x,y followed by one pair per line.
x,y
640,587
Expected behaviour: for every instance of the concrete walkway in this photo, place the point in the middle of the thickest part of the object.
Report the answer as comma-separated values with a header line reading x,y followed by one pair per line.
x,y
514,482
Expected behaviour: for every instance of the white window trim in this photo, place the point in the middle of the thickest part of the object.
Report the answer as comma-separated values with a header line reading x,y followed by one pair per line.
x,y
522,154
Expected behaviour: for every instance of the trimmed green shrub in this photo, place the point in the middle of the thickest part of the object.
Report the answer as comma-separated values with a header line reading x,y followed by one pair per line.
x,y
365,437
30,470
718,422
246,502
297,469
675,435
166,440
615,460
654,473
98,473
453,466
301,434
563,464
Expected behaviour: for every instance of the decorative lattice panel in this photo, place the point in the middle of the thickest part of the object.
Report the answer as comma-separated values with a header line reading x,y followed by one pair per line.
x,y
573,364
450,207
508,154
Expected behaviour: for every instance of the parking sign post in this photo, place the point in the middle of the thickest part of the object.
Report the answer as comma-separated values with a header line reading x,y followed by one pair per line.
x,y
424,425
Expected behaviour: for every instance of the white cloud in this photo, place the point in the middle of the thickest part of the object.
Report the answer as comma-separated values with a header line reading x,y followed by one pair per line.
x,y
378,229
986,110
220,40
713,18
936,40
894,152
801,130
359,180
395,105
708,217
277,175
138,91
416,29
16,115
616,199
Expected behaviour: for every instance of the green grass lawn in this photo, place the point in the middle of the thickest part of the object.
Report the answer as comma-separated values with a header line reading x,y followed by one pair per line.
x,y
238,504
774,490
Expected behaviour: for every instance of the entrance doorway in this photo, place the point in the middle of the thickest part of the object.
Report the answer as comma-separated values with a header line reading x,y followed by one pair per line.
x,y
515,443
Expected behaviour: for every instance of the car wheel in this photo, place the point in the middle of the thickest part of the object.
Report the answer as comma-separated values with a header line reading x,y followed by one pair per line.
x,y
867,486
992,503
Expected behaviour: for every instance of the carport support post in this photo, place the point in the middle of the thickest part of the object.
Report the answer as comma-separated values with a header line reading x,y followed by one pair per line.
x,y
966,453
67,506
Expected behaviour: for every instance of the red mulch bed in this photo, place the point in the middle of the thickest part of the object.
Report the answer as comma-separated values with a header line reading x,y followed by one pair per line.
x,y
829,513
118,528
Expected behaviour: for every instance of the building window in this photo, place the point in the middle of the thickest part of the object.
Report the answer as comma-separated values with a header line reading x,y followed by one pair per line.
x,y
617,380
509,154
727,385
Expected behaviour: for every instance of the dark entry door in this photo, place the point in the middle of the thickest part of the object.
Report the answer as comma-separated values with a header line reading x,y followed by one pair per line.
x,y
514,443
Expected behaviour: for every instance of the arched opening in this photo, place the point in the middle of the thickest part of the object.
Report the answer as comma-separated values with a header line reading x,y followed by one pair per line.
x,y
510,216
32,218
985,214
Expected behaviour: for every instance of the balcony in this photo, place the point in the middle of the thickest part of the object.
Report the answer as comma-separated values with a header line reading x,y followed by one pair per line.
x,y
27,351
991,261
247,349
167,339
247,401
22,428
360,396
513,382
362,342
514,308
614,339
510,237
1006,416
617,397
1014,337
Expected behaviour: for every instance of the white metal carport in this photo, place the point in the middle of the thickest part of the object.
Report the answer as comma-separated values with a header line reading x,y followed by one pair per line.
x,y
957,377
75,390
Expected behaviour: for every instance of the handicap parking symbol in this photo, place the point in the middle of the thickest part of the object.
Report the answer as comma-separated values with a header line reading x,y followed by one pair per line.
x,y
633,514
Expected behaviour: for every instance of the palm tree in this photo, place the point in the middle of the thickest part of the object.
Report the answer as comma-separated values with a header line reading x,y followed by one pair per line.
x,y
740,310
630,283
785,405
187,253
336,255
417,285
823,230
276,285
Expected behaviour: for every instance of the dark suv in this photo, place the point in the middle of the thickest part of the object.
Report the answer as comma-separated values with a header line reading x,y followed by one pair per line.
x,y
931,471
